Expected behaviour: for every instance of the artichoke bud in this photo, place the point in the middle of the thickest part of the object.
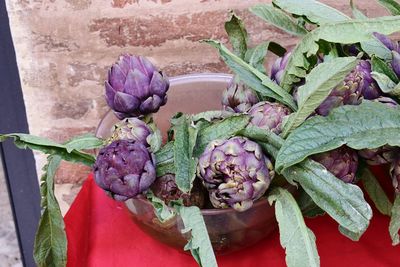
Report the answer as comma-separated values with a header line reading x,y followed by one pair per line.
x,y
135,87
268,116
341,162
166,189
131,129
378,156
235,172
386,41
124,169
238,97
358,84
278,68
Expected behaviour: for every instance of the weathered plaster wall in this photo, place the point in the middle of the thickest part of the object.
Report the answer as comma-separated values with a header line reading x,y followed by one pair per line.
x,y
64,48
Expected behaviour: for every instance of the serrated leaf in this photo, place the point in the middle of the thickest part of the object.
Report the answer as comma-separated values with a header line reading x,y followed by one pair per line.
x,y
50,248
199,244
352,31
375,191
297,239
378,65
319,83
237,34
314,11
356,12
212,115
185,163
256,56
50,147
85,141
220,130
252,77
344,202
368,125
278,18
394,226
391,5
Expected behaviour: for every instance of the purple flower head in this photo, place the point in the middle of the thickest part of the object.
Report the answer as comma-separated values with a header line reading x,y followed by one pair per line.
x,y
135,87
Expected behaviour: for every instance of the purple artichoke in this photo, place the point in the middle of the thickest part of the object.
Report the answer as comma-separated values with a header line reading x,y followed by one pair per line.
x,y
166,189
131,129
124,169
238,97
395,174
278,67
357,83
392,46
235,172
268,115
378,156
341,162
135,87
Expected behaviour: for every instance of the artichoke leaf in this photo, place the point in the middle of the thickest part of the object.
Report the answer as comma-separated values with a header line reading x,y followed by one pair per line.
x,y
237,34
295,237
314,11
368,125
394,226
50,247
278,18
391,5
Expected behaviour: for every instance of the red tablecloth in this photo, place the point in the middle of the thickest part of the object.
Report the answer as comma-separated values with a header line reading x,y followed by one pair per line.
x,y
101,233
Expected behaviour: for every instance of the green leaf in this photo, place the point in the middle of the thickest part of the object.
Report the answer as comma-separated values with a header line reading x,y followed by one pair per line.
x,y
85,141
278,18
212,115
378,65
237,34
161,210
344,202
374,47
199,244
351,31
391,5
256,56
384,82
314,11
319,83
297,239
220,130
252,77
356,12
50,248
261,135
394,225
368,125
50,147
308,206
185,163
375,191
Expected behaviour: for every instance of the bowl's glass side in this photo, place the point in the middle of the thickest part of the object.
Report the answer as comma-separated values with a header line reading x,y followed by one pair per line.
x,y
229,230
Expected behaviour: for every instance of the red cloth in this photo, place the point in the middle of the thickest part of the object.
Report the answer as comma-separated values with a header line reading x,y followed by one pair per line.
x,y
101,233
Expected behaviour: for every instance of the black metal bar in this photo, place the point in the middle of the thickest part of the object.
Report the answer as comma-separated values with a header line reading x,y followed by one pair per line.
x,y
19,165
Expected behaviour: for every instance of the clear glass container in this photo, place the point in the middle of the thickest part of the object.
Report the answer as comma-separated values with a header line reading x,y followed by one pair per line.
x,y
228,229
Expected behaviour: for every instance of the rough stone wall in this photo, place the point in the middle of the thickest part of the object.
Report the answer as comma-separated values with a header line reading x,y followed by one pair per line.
x,y
64,48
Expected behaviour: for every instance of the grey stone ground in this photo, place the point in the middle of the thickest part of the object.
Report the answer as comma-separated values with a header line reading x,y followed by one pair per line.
x,y
9,251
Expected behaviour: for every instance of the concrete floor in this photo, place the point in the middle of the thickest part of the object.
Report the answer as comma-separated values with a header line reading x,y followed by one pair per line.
x,y
9,251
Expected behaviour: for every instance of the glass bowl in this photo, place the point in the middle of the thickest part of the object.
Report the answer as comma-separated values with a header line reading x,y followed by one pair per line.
x,y
228,229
